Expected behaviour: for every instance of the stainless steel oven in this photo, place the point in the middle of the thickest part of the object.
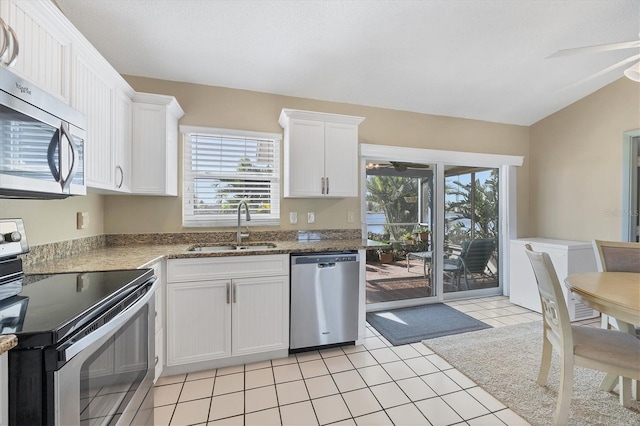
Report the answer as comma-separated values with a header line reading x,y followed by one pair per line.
x,y
85,352
109,373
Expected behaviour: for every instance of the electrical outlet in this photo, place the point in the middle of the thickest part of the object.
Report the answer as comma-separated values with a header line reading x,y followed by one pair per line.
x,y
311,217
293,217
350,217
82,220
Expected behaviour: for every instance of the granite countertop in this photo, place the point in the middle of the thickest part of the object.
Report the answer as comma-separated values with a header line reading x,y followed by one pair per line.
x,y
135,256
7,342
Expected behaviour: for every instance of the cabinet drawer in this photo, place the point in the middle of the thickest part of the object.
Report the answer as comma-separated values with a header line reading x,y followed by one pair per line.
x,y
195,269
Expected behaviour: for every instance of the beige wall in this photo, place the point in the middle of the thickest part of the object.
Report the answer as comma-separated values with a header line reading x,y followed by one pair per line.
x,y
576,164
55,220
241,109
50,221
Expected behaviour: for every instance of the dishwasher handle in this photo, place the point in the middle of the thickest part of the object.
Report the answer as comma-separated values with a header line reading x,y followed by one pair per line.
x,y
327,265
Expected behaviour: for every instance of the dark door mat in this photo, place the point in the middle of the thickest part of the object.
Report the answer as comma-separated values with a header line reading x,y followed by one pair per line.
x,y
410,325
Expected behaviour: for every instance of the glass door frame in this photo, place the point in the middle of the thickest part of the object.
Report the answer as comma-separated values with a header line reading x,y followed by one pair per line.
x,y
507,210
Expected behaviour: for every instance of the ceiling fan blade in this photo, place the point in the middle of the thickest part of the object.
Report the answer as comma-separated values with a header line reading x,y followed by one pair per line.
x,y
595,49
604,71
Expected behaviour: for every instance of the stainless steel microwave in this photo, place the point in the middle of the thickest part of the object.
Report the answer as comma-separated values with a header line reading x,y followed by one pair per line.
x,y
42,142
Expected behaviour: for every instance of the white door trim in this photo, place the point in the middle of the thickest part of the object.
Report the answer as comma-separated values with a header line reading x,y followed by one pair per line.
x,y
507,183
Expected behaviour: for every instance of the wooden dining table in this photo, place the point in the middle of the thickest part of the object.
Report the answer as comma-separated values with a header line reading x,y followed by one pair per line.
x,y
616,294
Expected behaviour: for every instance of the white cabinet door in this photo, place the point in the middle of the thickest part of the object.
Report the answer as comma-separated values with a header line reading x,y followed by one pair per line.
x,y
122,141
304,159
341,160
155,144
260,314
198,321
159,358
44,50
320,154
93,96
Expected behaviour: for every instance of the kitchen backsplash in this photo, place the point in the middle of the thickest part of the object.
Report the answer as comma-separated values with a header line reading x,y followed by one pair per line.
x,y
58,250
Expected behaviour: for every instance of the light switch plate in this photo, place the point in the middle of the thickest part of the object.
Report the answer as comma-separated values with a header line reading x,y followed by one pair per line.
x,y
350,217
293,217
311,217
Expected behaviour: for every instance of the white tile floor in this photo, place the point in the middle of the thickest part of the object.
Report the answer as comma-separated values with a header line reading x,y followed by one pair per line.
x,y
370,384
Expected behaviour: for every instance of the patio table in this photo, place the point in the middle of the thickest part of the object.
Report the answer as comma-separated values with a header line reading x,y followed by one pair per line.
x,y
425,256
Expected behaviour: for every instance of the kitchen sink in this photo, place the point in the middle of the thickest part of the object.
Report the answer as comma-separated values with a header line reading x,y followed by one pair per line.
x,y
233,247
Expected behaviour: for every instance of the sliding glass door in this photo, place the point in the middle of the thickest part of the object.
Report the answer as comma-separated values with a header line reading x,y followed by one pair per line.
x,y
471,230
399,213
441,227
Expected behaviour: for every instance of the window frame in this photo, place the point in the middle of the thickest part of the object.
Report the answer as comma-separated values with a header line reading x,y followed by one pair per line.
x,y
189,220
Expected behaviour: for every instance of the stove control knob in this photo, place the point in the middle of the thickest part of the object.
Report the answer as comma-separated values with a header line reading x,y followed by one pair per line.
x,y
11,237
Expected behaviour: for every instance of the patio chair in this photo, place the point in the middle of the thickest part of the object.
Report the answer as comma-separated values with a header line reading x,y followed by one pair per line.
x,y
472,260
614,256
600,349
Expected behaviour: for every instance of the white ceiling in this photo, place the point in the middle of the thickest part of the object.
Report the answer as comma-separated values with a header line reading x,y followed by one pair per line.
x,y
483,60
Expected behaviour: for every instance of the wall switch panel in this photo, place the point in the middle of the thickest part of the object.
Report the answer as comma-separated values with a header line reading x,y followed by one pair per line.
x,y
350,217
293,217
311,217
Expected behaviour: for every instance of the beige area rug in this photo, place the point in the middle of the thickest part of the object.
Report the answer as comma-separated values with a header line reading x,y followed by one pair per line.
x,y
505,361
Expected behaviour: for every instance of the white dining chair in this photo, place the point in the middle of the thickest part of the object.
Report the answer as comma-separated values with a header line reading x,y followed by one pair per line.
x,y
615,256
600,349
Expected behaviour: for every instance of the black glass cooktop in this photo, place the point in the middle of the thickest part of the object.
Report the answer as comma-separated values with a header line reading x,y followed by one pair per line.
x,y
50,307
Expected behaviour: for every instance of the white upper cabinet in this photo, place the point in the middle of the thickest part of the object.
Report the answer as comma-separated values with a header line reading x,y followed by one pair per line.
x,y
93,95
44,46
122,130
320,154
155,144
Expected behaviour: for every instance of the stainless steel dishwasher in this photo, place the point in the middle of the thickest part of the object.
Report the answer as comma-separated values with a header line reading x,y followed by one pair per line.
x,y
324,299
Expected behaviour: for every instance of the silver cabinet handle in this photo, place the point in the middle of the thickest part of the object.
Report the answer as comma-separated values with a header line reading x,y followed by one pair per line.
x,y
4,28
15,45
322,179
235,298
119,185
327,186
9,44
228,293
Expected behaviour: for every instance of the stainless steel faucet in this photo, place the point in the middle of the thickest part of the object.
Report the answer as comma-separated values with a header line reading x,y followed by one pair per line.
x,y
247,218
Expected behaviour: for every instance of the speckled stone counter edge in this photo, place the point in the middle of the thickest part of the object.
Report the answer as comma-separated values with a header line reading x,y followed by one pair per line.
x,y
7,342
62,249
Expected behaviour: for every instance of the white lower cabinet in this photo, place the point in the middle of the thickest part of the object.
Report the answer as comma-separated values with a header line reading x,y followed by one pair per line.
x,y
198,321
226,307
158,270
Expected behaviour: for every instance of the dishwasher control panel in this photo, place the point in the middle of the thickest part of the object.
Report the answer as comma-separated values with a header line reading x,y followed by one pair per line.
x,y
323,258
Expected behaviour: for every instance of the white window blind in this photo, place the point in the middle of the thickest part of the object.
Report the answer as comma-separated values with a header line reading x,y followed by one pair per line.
x,y
223,167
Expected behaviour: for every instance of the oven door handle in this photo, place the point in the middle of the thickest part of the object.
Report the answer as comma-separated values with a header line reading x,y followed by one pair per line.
x,y
72,348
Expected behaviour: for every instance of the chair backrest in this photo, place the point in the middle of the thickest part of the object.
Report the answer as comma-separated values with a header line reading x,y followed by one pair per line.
x,y
615,256
476,254
555,315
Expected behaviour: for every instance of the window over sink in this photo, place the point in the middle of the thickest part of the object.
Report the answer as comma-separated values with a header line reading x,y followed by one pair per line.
x,y
223,167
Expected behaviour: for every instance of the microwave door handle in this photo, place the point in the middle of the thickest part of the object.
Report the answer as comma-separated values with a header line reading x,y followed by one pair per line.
x,y
51,151
72,169
5,37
